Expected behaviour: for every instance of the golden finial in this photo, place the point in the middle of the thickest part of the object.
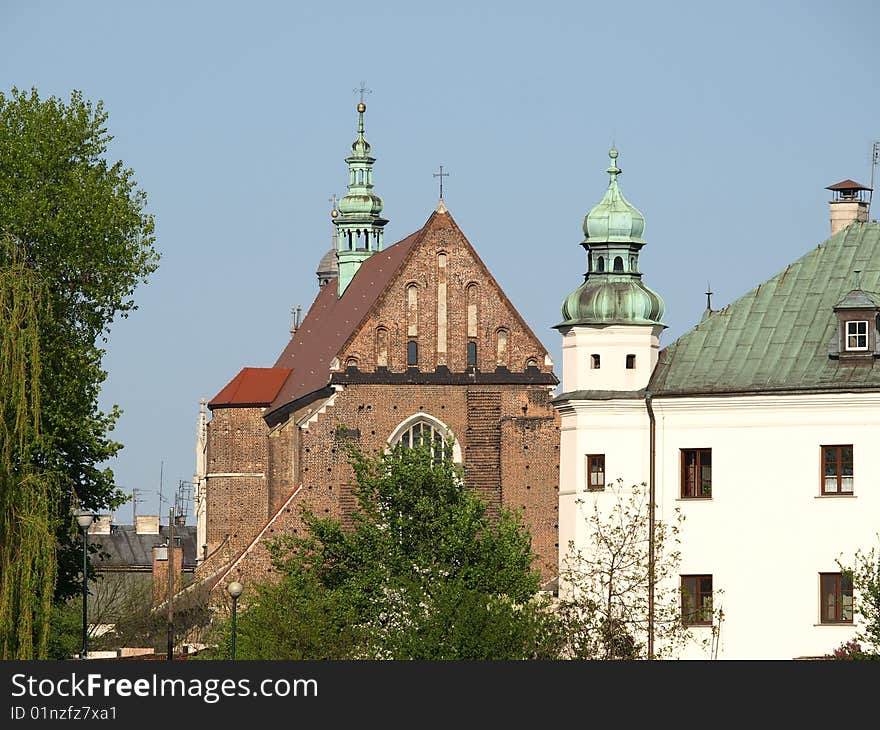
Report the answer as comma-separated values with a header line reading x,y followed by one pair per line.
x,y
334,213
362,107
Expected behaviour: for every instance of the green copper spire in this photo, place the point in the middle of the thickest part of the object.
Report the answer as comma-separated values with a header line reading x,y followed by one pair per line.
x,y
359,223
613,292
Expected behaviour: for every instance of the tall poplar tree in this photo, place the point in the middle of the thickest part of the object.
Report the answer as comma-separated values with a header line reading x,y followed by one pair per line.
x,y
76,243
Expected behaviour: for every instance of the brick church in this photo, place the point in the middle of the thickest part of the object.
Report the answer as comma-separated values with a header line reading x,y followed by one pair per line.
x,y
415,338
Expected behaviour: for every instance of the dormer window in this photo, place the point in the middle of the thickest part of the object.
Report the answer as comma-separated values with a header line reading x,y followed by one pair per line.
x,y
856,335
856,338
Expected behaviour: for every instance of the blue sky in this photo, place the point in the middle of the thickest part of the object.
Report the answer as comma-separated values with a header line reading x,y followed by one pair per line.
x,y
236,117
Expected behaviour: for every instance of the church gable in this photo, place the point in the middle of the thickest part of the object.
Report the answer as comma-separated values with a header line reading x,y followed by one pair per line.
x,y
785,334
443,310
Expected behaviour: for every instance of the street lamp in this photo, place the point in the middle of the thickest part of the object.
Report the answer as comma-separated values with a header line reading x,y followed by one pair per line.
x,y
234,589
84,519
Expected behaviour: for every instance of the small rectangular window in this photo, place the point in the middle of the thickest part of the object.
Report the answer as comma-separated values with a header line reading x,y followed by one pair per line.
x,y
630,362
835,598
837,469
696,600
595,362
412,353
696,473
857,335
595,472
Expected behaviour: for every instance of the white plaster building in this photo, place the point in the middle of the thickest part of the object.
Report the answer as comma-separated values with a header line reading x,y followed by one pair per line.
x,y
766,425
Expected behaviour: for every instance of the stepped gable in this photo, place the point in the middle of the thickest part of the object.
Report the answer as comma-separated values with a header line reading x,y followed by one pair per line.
x,y
331,320
777,337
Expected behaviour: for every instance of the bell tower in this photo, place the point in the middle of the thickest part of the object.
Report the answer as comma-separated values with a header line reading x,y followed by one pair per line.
x,y
359,224
612,322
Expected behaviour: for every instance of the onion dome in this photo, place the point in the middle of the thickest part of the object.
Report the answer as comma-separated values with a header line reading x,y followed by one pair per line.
x,y
614,218
613,292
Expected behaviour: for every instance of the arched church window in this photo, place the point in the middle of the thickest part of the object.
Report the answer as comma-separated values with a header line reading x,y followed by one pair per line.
x,y
412,353
351,362
531,363
618,263
472,354
424,428
600,264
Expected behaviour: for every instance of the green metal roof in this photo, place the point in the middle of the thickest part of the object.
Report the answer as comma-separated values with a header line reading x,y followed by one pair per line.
x,y
777,337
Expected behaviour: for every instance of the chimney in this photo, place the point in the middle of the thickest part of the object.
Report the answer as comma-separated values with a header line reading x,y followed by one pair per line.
x,y
848,205
160,571
146,524
101,525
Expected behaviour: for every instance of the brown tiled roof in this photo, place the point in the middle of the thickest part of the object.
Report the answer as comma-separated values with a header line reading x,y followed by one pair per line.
x,y
331,320
252,387
847,185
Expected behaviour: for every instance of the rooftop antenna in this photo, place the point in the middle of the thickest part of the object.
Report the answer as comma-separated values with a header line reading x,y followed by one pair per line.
x,y
875,158
135,501
161,478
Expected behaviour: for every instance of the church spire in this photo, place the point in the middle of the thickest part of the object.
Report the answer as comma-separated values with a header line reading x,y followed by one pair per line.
x,y
359,223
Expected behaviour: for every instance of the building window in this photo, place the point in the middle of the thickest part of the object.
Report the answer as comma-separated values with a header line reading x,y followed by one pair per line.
x,y
600,264
696,473
857,335
836,598
423,428
630,362
618,263
412,353
472,354
595,472
595,362
696,600
837,469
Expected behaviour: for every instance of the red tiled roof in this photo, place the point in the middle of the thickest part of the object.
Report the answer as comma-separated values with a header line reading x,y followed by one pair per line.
x,y
331,320
847,185
252,387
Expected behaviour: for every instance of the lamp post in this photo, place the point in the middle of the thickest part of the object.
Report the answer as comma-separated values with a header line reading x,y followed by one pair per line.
x,y
84,519
234,589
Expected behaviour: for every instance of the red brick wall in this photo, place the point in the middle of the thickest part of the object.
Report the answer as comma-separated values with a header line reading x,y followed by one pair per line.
x,y
160,574
463,268
237,506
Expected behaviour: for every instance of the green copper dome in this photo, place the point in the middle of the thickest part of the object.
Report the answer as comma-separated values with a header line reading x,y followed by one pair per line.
x,y
613,292
614,218
361,203
613,302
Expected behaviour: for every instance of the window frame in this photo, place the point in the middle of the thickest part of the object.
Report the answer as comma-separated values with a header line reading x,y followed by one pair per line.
x,y
838,599
590,460
847,335
696,616
697,482
840,476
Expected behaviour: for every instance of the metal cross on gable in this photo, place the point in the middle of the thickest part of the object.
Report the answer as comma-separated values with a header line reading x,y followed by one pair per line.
x,y
441,175
362,90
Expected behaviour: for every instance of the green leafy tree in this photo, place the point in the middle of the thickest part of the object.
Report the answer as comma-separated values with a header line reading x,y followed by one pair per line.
x,y
424,573
864,572
604,589
75,232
